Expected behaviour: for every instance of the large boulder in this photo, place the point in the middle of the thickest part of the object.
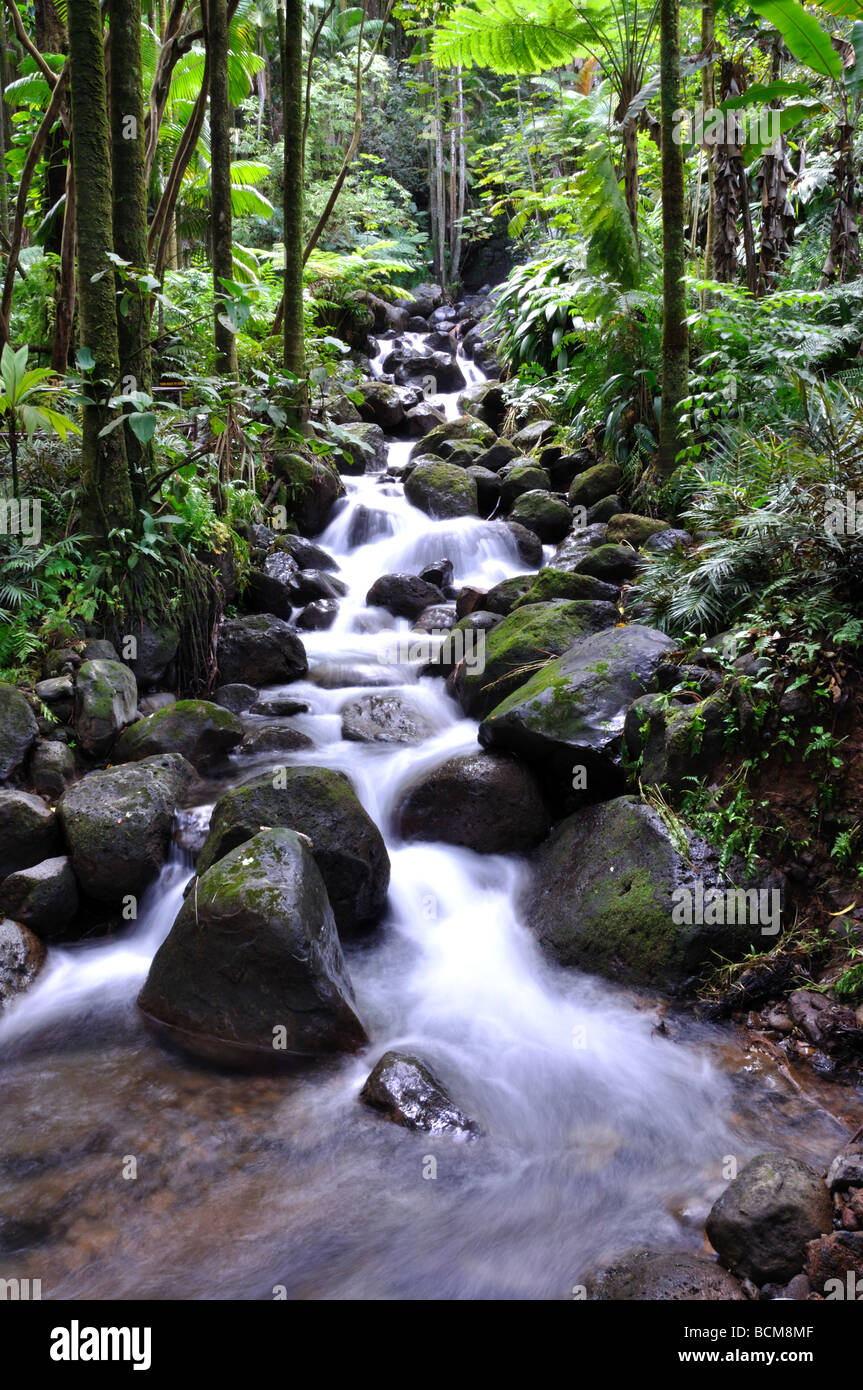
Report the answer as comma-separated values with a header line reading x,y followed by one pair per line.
x,y
201,731
44,897
524,640
766,1217
442,490
613,564
155,649
552,584
588,487
572,711
252,972
382,405
519,477
408,1093
272,587
490,803
322,805
22,956
118,824
663,1277
311,488
611,893
404,595
106,700
18,732
544,514
28,831
574,547
388,717
463,429
446,373
261,650
503,597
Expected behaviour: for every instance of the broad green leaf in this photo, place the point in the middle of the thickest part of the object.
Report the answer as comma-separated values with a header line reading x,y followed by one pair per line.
x,y
803,35
143,426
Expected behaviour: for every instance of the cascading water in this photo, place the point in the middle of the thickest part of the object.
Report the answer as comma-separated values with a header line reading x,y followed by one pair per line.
x,y
600,1134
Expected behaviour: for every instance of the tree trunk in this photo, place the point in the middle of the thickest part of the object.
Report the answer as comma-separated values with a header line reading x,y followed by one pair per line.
x,y
65,316
293,332
220,180
843,254
675,344
708,101
629,89
730,184
104,467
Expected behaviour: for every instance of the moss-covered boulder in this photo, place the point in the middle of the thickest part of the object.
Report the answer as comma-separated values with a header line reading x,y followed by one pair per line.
x,y
633,529
18,732
363,449
310,490
382,404
251,973
522,475
487,802
588,487
541,512
613,564
528,637
503,597
28,831
607,896
259,650
22,956
117,824
571,713
465,428
674,741
106,700
201,731
573,548
322,805
442,490
43,897
552,584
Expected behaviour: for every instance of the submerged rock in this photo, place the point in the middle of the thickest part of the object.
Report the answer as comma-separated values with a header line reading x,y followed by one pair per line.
x,y
409,1094
386,718
322,805
485,802
251,972
404,595
761,1225
664,1276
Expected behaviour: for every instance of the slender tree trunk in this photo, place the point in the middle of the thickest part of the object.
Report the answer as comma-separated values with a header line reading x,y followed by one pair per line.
x,y
130,213
629,89
439,183
675,344
108,499
4,181
220,180
730,182
708,102
293,331
65,316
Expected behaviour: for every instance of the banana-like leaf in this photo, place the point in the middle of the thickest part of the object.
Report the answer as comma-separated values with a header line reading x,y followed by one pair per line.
x,y
803,35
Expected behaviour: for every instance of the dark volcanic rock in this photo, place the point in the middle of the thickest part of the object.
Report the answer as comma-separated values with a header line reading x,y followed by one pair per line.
x,y
404,595
261,650
487,803
409,1094
664,1276
761,1225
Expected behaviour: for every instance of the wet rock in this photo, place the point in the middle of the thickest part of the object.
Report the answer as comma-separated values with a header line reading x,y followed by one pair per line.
x,y
572,711
274,738
761,1225
488,489
822,1020
604,509
544,514
43,897
846,1171
409,1094
502,452
322,805
444,315
595,483
382,405
363,449
385,718
440,573
484,802
273,587
834,1265
440,366
520,476
468,600
526,639
533,436
22,956
465,430
57,690
276,706
260,650
661,1276
439,617
237,698
442,490
675,741
28,831
503,597
339,675
404,595
117,824
52,768
313,488
252,970
613,564
552,584
606,892
201,731
307,555
528,544
319,615
662,541
106,700
156,648
421,419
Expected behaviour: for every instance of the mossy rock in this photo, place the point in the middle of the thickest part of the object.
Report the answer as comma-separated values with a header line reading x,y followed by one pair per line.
x,y
106,700
527,637
503,597
311,488
442,490
613,564
522,475
321,804
595,483
627,526
198,729
561,584
673,740
466,428
547,516
18,732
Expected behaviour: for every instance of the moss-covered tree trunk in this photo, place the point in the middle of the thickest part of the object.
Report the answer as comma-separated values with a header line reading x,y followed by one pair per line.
x,y
293,340
220,181
105,470
708,101
130,215
675,343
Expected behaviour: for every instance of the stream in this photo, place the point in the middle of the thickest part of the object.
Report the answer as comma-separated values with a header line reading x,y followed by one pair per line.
x,y
129,1172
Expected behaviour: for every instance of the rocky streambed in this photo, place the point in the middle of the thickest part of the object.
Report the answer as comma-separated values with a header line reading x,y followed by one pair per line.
x,y
393,871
